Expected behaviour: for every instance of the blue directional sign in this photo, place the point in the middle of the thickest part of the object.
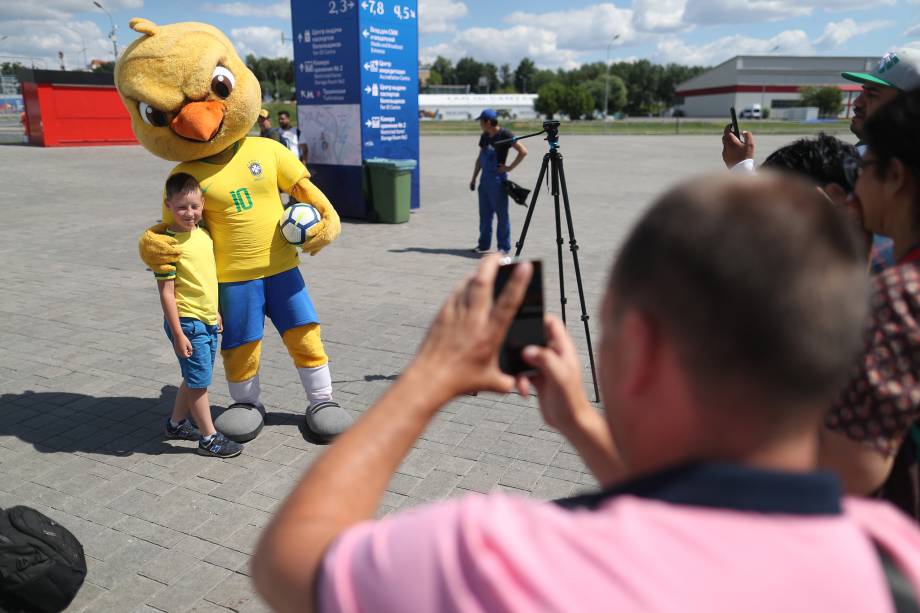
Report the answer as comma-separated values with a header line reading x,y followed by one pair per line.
x,y
356,74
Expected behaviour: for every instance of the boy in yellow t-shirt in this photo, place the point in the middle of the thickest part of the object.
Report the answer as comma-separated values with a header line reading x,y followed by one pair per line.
x,y
189,300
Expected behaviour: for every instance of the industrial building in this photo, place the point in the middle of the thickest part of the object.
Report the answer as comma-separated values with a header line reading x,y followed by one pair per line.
x,y
770,81
466,107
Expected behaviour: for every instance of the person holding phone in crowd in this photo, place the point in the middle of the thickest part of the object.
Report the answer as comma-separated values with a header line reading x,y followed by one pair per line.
x,y
897,73
871,435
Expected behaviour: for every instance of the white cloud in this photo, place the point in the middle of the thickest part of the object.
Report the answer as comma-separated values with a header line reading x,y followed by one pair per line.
x,y
37,42
438,15
707,12
501,46
536,36
58,9
913,30
281,10
589,28
836,33
659,15
790,42
36,31
565,38
261,41
843,5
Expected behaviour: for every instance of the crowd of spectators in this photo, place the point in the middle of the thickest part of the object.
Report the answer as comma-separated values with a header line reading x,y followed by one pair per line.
x,y
760,392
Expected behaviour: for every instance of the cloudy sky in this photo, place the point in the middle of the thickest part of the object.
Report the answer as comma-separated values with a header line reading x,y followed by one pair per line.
x,y
553,33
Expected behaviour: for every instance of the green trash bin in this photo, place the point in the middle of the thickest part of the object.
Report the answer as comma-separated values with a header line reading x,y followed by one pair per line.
x,y
391,189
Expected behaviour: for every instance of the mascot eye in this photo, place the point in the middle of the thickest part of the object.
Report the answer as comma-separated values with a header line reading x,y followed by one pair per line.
x,y
222,82
152,116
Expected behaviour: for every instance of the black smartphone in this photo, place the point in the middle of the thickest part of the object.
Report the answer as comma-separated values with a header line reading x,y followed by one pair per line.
x,y
527,325
735,130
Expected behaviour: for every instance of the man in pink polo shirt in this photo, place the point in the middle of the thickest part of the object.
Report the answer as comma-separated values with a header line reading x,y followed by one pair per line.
x,y
732,314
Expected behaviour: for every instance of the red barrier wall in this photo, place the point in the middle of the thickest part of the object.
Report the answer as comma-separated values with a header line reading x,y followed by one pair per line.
x,y
74,109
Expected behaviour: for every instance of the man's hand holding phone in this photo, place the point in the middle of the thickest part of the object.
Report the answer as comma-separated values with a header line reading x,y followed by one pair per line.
x,y
557,378
737,146
539,350
460,352
527,326
733,150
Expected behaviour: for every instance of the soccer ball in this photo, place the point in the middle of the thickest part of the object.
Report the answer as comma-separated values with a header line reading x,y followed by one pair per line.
x,y
295,222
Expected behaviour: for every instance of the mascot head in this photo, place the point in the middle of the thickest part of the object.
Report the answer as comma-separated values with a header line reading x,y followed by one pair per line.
x,y
188,92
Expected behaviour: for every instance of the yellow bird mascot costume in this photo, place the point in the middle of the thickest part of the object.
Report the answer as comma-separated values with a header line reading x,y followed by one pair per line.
x,y
192,100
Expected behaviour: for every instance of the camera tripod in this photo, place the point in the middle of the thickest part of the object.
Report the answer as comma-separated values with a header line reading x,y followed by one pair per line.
x,y
553,160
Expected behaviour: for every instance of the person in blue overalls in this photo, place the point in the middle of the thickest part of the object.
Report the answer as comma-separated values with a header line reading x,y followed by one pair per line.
x,y
493,201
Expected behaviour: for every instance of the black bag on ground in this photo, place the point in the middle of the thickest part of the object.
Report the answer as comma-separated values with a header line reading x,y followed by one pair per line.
x,y
42,565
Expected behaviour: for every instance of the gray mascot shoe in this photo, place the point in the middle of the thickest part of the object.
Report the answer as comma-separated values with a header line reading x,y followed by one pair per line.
x,y
325,421
241,422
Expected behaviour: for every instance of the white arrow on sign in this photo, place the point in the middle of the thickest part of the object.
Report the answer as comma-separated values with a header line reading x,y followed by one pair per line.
x,y
367,89
368,123
365,33
299,37
364,5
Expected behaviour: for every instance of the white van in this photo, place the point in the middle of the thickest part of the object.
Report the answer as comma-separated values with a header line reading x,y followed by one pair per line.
x,y
751,112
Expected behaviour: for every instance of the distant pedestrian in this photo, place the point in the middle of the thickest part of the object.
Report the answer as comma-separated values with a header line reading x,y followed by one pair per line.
x,y
25,126
266,130
291,136
289,132
493,200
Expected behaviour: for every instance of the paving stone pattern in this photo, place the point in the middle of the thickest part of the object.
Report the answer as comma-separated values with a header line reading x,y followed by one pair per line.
x,y
87,376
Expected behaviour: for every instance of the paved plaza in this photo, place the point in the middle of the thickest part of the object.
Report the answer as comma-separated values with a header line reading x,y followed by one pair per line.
x,y
87,376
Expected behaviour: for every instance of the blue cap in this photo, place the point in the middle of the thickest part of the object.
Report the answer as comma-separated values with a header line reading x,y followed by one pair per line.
x,y
487,114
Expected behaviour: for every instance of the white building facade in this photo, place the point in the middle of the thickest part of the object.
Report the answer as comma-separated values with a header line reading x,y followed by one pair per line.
x,y
771,81
466,107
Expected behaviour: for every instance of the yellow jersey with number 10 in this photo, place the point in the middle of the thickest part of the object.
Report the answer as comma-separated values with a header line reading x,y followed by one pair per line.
x,y
242,207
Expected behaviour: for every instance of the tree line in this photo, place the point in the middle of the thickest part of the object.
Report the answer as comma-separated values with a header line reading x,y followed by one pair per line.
x,y
634,88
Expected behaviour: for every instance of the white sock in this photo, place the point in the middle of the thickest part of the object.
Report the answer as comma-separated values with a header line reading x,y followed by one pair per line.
x,y
247,391
173,424
317,383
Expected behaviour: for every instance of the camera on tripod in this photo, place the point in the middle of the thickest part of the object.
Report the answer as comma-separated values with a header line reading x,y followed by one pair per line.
x,y
551,127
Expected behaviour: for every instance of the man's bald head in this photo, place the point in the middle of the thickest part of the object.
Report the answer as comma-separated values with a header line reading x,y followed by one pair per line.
x,y
759,281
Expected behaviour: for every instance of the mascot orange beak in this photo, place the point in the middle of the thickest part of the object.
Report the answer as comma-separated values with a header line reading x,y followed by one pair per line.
x,y
198,120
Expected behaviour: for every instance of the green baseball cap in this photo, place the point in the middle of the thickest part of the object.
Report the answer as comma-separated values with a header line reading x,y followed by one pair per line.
x,y
899,69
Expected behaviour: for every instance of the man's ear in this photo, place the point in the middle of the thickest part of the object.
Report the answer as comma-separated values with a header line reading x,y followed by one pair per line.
x,y
897,178
640,350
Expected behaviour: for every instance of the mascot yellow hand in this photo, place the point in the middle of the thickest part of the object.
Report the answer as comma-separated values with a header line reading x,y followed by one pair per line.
x,y
326,230
159,251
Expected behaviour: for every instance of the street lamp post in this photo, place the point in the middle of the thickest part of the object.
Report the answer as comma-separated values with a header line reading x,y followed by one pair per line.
x,y
607,77
763,88
113,30
83,42
83,50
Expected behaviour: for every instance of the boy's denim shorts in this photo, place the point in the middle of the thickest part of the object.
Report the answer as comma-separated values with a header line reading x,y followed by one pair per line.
x,y
197,369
